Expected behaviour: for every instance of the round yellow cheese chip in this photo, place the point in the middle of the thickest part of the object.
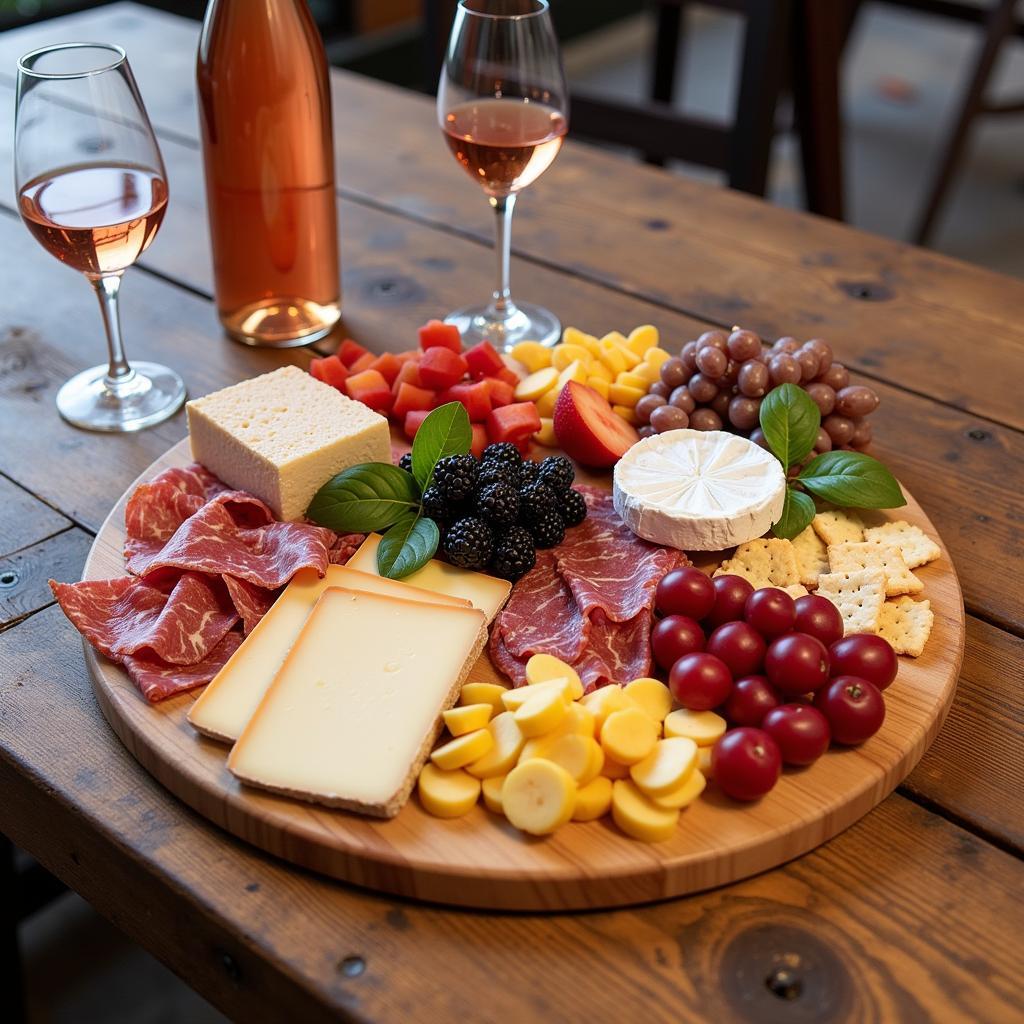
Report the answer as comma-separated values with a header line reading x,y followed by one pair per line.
x,y
507,742
666,767
650,695
543,667
462,750
542,713
685,793
629,735
491,789
703,727
447,794
593,800
638,816
538,797
467,718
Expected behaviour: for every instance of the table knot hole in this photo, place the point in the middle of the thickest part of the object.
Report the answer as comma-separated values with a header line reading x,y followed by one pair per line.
x,y
977,434
352,966
9,578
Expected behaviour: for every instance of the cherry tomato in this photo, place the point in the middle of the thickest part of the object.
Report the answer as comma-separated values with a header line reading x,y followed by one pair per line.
x,y
700,681
801,731
739,645
855,709
796,663
746,763
866,656
685,591
770,611
731,593
674,636
751,699
818,617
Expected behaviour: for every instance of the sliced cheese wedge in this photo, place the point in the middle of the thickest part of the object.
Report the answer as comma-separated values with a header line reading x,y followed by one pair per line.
x,y
487,593
698,490
225,706
350,718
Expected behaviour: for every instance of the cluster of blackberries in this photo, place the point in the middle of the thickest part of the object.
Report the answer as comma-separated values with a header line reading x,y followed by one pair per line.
x,y
493,513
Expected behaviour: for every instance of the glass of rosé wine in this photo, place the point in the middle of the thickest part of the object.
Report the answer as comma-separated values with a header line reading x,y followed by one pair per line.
x,y
503,106
92,190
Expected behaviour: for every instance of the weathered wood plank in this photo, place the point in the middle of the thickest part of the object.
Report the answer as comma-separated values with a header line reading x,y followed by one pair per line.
x,y
874,924
24,575
26,520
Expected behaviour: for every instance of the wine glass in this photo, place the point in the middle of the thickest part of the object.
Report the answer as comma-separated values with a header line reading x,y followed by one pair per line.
x,y
502,104
92,190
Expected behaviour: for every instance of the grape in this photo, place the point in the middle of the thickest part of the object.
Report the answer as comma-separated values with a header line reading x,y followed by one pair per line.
x,y
732,371
839,428
824,397
739,645
865,656
700,681
861,434
757,436
646,430
819,617
702,388
713,339
743,412
705,419
746,763
685,591
646,405
688,354
674,373
744,345
784,369
682,399
720,404
712,361
824,350
659,387
753,379
802,732
751,699
786,344
836,376
856,401
822,443
668,417
855,709
809,362
796,663
675,636
770,611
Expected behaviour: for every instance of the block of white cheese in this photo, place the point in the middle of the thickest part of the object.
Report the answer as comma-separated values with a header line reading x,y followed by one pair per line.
x,y
488,593
282,435
353,712
226,705
698,490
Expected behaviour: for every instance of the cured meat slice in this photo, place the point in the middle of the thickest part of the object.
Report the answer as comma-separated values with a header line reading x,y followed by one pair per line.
x,y
158,680
251,602
616,652
344,547
179,622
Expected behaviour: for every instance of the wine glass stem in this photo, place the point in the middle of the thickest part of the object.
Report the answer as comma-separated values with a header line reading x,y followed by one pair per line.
x,y
502,306
108,288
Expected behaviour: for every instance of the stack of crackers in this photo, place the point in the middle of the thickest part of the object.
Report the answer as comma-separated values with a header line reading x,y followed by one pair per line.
x,y
865,571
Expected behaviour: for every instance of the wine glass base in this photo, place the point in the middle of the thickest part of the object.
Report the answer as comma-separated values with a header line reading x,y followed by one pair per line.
x,y
150,395
527,323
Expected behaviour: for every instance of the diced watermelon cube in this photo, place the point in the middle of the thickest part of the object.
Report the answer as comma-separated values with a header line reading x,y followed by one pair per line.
x,y
480,439
410,398
502,393
413,420
440,368
331,370
513,422
508,376
412,355
370,388
387,365
484,360
364,362
349,351
475,397
436,334
408,373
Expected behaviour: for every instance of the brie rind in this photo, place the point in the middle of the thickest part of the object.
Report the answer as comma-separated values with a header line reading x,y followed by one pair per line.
x,y
698,490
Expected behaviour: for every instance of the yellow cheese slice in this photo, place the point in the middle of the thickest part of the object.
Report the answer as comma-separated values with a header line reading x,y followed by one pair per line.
x,y
225,706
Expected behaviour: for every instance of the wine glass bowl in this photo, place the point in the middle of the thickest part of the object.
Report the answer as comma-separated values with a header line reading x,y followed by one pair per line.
x,y
502,105
92,190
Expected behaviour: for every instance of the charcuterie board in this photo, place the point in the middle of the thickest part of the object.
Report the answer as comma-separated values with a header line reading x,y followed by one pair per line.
x,y
479,860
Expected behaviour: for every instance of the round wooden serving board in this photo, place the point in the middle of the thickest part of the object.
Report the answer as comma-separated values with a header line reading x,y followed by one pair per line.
x,y
480,860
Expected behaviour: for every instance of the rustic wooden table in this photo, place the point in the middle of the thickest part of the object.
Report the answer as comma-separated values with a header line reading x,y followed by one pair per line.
x,y
914,913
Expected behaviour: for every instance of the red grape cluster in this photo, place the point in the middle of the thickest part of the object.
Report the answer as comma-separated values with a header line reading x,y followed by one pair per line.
x,y
717,382
780,671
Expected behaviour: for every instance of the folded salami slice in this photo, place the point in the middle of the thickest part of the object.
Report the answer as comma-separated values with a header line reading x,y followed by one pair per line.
x,y
157,680
251,602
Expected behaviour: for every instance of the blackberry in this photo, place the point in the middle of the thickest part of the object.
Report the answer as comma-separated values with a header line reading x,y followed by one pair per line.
x,y
498,503
455,476
535,500
548,529
572,508
434,505
405,462
514,554
528,472
469,543
503,452
557,472
497,473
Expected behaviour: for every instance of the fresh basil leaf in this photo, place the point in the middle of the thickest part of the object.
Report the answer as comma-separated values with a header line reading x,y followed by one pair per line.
x,y
370,496
790,421
797,513
853,480
409,544
446,431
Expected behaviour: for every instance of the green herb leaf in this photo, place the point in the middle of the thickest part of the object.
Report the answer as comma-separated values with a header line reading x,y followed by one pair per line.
x,y
370,496
446,431
852,479
409,544
797,514
790,421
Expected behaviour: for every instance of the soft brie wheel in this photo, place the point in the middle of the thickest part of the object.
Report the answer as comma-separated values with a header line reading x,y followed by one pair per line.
x,y
698,490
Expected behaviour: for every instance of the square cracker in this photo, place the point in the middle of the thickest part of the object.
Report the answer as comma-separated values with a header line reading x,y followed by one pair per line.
x,y
811,556
906,624
838,525
915,545
859,596
848,556
766,562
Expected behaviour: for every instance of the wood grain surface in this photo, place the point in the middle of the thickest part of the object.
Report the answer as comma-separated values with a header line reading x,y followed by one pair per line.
x,y
480,861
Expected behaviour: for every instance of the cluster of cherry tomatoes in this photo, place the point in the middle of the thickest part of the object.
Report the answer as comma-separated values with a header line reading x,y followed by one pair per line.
x,y
779,670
